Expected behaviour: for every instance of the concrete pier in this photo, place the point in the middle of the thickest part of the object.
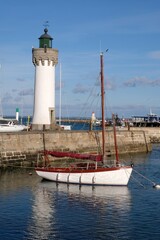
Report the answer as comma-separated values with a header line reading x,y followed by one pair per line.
x,y
21,148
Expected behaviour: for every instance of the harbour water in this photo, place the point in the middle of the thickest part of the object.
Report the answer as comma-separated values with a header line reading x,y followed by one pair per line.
x,y
34,209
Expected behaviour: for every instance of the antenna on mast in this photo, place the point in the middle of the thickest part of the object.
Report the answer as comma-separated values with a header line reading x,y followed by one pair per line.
x,y
100,46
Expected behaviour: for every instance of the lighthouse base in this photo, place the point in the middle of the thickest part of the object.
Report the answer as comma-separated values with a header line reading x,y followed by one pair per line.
x,y
45,127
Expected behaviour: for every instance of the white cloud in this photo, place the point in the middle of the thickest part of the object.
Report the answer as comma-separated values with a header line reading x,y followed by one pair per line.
x,y
79,88
26,92
141,81
154,54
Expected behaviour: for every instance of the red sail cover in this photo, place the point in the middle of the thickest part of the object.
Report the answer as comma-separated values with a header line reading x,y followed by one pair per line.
x,y
96,158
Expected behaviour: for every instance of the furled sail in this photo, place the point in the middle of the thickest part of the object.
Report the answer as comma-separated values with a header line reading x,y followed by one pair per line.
x,y
92,157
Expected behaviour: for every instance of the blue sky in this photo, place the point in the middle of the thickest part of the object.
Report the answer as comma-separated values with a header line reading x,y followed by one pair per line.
x,y
81,29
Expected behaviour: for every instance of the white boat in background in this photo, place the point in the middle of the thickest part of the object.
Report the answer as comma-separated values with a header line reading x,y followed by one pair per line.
x,y
8,125
65,127
98,122
98,172
11,124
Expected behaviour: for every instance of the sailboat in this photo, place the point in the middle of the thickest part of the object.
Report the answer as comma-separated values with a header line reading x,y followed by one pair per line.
x,y
93,172
10,125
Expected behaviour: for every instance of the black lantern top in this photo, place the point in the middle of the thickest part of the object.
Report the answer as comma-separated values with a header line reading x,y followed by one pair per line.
x,y
45,40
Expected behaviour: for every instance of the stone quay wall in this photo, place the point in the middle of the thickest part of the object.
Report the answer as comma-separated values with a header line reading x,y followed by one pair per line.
x,y
21,149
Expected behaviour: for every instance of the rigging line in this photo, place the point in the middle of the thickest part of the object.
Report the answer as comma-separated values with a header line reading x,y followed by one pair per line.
x,y
109,108
91,104
95,96
137,181
97,137
97,102
86,105
91,94
144,177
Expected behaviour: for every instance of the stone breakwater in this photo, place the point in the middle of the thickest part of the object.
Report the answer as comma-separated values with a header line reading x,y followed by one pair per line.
x,y
21,149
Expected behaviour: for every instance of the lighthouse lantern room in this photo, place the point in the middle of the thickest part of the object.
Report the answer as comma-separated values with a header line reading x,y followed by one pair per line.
x,y
44,59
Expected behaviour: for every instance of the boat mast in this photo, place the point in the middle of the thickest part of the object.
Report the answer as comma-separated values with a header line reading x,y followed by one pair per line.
x,y
115,140
60,94
102,106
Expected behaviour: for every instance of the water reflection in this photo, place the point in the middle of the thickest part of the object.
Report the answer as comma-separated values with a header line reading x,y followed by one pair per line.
x,y
94,195
31,209
42,215
57,207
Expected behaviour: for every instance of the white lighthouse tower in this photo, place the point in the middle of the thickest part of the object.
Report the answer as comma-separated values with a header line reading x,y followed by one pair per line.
x,y
44,59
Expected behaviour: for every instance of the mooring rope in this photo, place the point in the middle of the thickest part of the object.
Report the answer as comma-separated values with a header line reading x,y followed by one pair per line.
x,y
144,177
149,180
137,181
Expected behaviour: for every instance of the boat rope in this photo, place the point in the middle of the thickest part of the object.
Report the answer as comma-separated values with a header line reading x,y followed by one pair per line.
x,y
137,181
141,175
98,142
144,177
88,104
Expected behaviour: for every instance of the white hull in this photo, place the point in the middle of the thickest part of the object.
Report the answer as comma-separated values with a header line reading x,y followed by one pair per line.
x,y
66,127
11,128
110,176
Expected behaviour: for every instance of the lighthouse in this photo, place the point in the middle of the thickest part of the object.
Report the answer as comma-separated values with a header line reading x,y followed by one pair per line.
x,y
44,59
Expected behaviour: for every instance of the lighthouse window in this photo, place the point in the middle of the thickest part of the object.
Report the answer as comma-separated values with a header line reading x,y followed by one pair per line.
x,y
50,43
45,42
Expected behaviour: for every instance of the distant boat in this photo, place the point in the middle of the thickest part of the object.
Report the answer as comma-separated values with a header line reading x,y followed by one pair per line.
x,y
94,172
10,125
151,120
65,127
98,122
7,125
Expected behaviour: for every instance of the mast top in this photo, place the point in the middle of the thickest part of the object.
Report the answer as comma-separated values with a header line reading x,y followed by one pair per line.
x,y
102,107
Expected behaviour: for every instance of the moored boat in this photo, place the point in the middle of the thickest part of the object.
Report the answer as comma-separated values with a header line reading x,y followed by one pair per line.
x,y
65,127
86,174
93,172
7,125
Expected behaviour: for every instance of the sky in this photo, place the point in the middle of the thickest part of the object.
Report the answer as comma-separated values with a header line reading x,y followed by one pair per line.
x,y
130,30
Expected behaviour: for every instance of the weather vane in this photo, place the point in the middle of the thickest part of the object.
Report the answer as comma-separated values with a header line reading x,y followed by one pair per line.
x,y
46,24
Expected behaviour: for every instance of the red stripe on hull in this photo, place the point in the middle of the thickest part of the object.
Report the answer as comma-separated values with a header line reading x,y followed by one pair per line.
x,y
72,170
